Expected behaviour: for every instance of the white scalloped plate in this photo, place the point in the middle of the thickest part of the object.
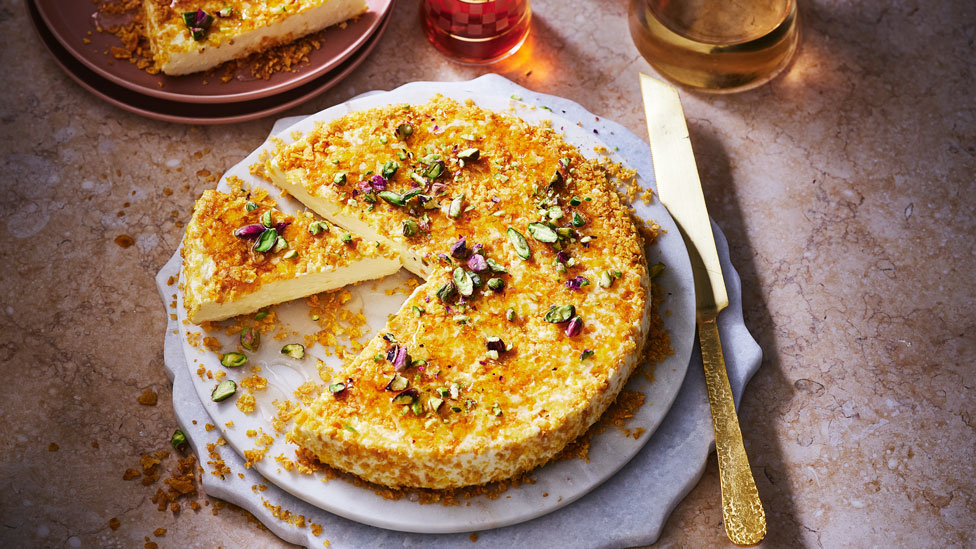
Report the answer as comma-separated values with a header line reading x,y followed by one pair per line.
x,y
557,484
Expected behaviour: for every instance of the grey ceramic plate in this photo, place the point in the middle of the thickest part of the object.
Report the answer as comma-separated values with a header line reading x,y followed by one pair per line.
x,y
555,485
628,509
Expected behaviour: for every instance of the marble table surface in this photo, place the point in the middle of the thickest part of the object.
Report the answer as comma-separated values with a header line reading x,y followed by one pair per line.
x,y
845,187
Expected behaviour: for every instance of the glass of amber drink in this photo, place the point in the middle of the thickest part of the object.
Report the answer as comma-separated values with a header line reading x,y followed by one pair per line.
x,y
475,31
715,45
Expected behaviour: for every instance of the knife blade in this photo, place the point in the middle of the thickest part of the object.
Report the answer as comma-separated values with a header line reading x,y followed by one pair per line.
x,y
679,189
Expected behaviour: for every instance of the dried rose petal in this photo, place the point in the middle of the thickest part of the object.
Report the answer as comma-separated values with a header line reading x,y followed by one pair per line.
x,y
400,358
577,283
460,249
250,232
378,182
477,263
575,326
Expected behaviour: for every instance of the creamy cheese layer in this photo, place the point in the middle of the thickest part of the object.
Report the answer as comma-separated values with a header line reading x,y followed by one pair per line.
x,y
280,291
251,26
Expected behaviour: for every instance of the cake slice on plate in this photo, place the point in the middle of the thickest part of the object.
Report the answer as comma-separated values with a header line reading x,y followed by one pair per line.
x,y
190,36
240,254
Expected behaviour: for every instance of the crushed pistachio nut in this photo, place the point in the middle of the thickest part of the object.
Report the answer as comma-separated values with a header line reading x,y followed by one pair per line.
x,y
294,350
454,210
520,244
223,390
233,360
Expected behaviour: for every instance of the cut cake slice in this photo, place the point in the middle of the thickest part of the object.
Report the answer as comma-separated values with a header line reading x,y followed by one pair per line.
x,y
240,254
227,30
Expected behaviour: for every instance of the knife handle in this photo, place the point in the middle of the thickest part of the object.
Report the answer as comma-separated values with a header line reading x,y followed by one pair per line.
x,y
742,511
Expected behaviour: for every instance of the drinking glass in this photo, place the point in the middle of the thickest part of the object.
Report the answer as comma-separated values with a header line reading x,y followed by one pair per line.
x,y
475,31
715,45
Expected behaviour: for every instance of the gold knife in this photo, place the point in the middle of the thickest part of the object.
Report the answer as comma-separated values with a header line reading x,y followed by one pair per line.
x,y
679,189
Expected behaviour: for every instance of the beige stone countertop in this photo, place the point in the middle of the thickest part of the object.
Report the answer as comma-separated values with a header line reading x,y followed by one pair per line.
x,y
846,187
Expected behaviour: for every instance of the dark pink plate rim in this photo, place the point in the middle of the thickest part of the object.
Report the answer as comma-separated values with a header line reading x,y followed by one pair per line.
x,y
69,22
195,113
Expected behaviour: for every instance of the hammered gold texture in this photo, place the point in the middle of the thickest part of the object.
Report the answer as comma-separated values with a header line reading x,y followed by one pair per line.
x,y
742,511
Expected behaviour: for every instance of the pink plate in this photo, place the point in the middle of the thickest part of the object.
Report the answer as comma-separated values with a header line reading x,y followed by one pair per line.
x,y
69,22
195,112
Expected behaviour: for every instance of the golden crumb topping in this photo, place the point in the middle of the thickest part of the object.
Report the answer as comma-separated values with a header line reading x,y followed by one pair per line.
x,y
520,174
535,306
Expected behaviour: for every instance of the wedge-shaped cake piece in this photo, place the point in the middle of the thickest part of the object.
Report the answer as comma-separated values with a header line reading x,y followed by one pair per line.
x,y
535,307
190,36
240,254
